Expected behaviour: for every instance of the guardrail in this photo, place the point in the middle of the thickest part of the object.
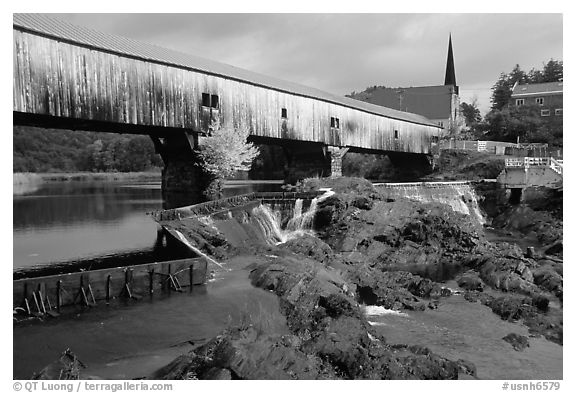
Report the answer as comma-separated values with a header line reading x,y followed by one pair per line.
x,y
527,162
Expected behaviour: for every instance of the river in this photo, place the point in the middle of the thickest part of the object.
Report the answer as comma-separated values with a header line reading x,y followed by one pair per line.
x,y
78,220
72,222
56,222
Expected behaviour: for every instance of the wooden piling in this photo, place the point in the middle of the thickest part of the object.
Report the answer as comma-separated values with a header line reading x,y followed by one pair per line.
x,y
88,287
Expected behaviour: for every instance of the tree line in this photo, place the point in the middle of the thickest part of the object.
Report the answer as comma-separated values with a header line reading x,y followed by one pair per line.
x,y
49,150
509,123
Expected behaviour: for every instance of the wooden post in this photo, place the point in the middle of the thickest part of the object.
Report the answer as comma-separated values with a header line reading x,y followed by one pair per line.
x,y
58,295
191,274
151,281
108,279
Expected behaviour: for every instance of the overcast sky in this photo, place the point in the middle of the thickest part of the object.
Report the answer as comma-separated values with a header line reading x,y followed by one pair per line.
x,y
341,53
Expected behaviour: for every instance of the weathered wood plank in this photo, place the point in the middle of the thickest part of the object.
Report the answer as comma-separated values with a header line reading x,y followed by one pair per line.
x,y
60,79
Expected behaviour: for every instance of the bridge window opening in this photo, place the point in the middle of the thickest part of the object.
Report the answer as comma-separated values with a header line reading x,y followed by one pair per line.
x,y
395,134
206,99
210,101
214,101
335,122
284,113
519,101
545,112
558,112
540,101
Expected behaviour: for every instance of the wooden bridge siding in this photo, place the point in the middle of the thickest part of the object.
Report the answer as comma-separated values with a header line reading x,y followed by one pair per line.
x,y
61,79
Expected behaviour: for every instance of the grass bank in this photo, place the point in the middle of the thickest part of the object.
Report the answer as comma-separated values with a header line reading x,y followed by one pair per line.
x,y
27,178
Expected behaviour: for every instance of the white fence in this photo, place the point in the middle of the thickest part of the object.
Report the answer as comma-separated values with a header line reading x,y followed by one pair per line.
x,y
527,162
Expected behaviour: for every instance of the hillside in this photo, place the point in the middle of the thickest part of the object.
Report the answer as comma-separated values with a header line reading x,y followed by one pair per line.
x,y
50,150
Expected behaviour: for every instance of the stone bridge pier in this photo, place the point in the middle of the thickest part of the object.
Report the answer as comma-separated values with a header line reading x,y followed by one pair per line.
x,y
183,181
312,160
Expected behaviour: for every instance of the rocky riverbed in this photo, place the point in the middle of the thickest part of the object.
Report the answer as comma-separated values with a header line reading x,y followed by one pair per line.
x,y
368,251
397,256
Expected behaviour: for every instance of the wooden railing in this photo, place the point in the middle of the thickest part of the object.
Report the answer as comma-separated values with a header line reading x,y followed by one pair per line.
x,y
527,162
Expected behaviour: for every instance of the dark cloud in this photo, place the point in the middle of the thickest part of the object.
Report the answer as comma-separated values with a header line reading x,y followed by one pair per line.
x,y
345,52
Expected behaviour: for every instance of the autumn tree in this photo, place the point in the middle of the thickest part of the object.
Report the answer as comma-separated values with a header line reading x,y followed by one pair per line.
x,y
471,112
223,153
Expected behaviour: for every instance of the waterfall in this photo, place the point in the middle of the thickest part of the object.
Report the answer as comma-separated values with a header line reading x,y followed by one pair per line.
x,y
269,221
460,196
302,220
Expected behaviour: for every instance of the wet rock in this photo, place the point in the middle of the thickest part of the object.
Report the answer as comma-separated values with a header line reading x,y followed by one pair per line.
x,y
529,310
433,305
512,308
523,218
518,342
466,367
393,290
329,212
470,281
362,202
218,374
548,278
332,326
67,366
474,296
244,353
310,246
555,249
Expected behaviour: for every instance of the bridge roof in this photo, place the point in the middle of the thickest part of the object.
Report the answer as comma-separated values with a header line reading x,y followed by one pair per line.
x,y
77,35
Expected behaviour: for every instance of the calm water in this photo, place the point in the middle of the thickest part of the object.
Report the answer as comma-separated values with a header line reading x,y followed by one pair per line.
x,y
134,339
67,221
57,222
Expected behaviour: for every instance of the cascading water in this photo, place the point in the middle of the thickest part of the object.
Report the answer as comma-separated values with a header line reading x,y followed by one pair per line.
x,y
460,196
269,221
301,220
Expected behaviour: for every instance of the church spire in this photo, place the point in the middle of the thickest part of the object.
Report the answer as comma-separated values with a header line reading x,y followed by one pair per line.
x,y
450,73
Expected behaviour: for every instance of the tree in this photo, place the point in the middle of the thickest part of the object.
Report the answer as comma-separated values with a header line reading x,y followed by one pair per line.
x,y
523,123
553,71
471,112
501,92
223,153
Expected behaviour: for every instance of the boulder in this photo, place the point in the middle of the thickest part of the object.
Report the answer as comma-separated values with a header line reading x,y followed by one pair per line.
x,y
470,281
518,342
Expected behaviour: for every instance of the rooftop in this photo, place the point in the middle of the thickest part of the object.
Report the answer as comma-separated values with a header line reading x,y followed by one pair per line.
x,y
434,102
537,88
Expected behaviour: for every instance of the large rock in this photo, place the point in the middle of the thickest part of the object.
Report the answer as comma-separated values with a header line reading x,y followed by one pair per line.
x,y
470,281
67,366
518,342
310,246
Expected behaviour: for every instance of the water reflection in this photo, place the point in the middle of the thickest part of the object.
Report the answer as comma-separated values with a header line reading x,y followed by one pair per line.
x,y
68,221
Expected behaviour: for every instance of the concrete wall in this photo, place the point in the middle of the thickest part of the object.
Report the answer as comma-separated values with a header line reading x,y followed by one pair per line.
x,y
530,177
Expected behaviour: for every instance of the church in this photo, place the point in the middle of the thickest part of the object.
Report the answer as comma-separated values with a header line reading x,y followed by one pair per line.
x,y
439,103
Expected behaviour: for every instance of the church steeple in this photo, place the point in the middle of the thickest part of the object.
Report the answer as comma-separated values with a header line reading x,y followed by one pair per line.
x,y
450,73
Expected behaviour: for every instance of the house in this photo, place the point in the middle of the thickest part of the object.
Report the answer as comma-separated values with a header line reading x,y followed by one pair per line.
x,y
548,96
439,103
